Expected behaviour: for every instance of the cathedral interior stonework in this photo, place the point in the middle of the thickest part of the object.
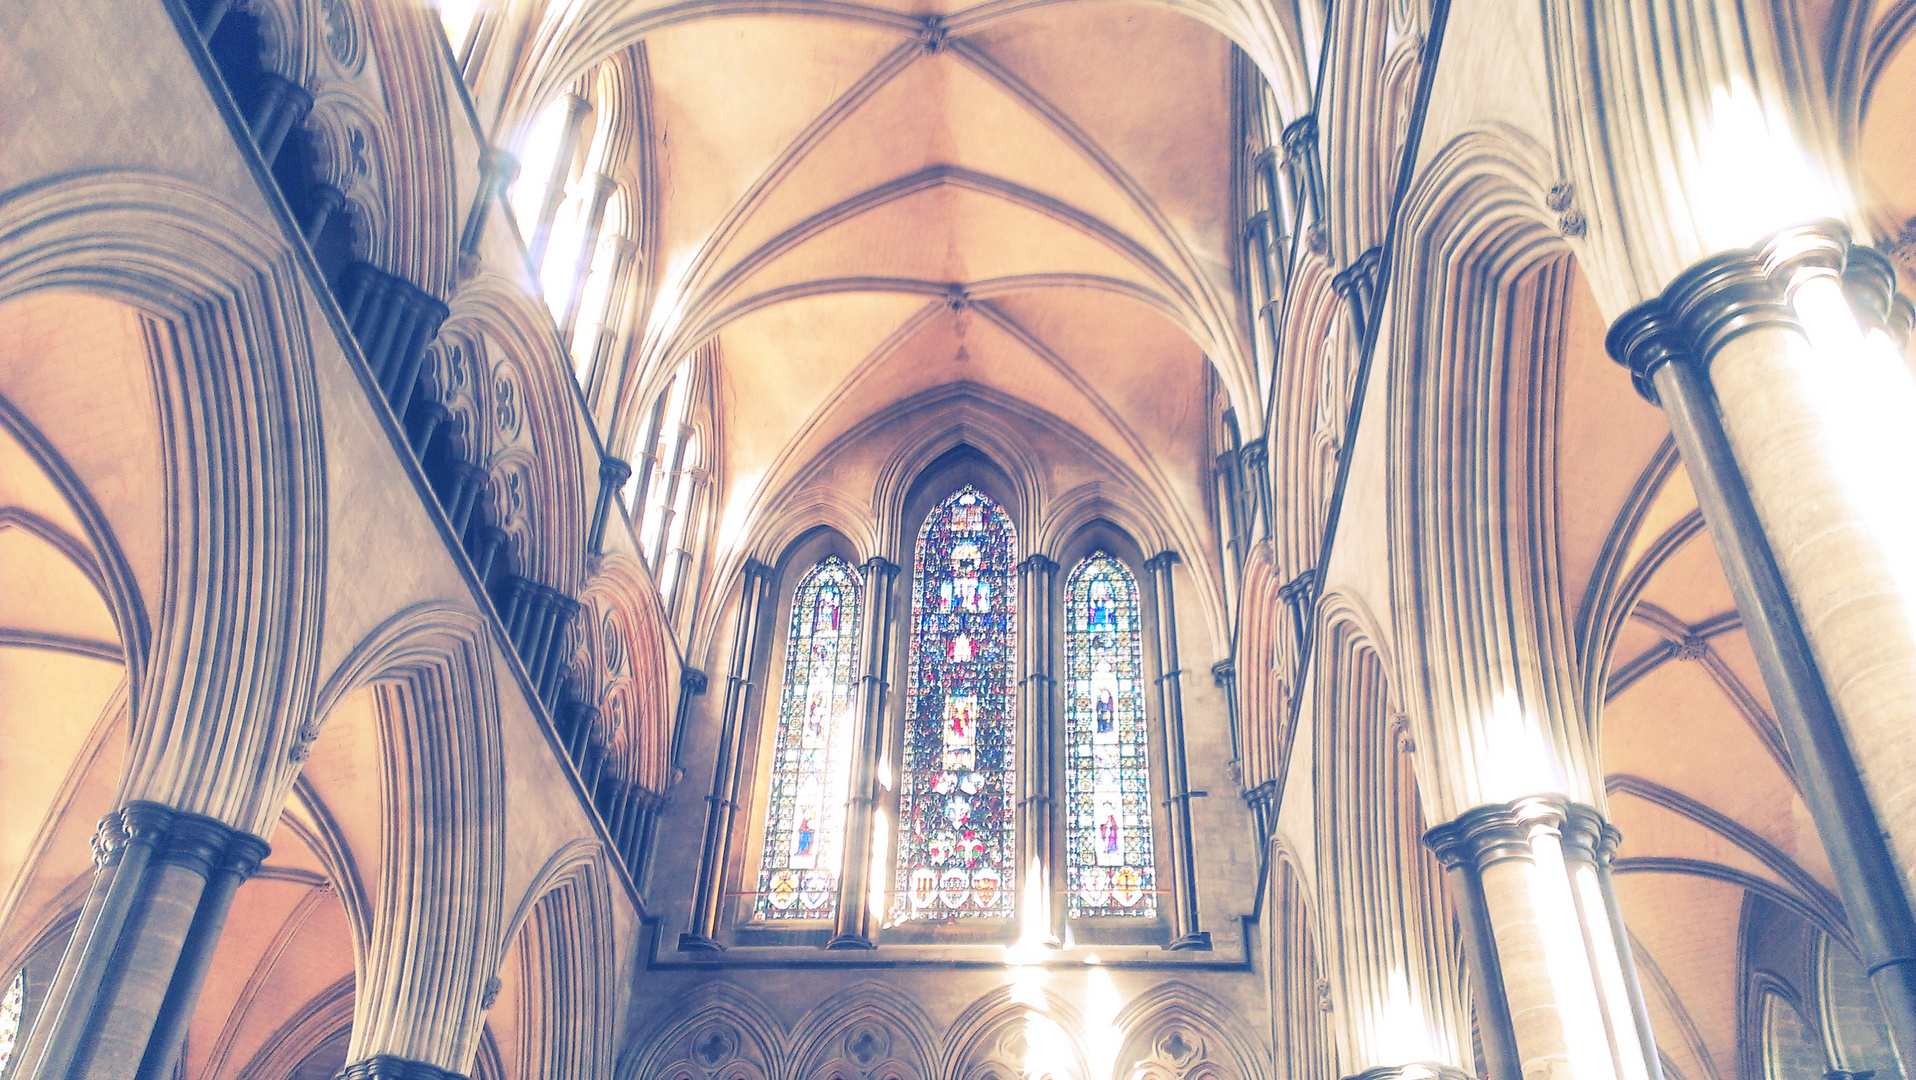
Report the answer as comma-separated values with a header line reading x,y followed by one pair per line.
x,y
957,540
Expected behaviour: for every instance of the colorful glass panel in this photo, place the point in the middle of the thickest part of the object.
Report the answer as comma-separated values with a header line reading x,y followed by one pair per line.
x,y
812,758
12,1004
955,850
1107,775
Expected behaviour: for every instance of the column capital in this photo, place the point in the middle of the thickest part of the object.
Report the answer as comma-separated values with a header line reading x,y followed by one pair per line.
x,y
878,566
1490,834
1644,339
692,681
1298,588
499,167
1416,1070
1162,562
109,840
614,472
1300,136
1254,453
1038,564
1224,672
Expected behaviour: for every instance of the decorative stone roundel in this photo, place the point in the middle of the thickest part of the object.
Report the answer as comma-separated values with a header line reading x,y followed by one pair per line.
x,y
614,644
714,1045
342,33
867,1044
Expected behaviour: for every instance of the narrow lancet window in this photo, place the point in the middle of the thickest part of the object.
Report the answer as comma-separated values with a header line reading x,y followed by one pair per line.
x,y
811,763
1107,776
955,846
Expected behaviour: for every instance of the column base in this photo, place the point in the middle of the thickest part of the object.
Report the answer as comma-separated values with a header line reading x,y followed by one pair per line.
x,y
851,941
1199,941
699,943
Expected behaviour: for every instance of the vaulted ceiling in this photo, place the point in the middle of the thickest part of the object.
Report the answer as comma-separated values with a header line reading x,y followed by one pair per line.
x,y
1034,199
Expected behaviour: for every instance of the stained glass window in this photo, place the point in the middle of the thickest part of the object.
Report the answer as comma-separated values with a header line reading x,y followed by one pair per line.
x,y
12,1004
1107,778
811,763
955,845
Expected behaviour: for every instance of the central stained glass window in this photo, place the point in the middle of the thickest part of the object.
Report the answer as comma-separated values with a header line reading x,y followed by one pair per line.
x,y
811,762
955,848
1107,777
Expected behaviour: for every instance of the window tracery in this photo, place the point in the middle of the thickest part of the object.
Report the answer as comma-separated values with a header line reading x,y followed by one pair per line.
x,y
805,826
1107,779
956,843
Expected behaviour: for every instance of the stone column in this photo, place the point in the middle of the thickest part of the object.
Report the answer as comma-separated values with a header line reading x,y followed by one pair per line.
x,y
1042,908
1667,344
602,188
1540,927
498,170
1184,906
1307,183
1224,676
125,990
871,736
613,473
728,763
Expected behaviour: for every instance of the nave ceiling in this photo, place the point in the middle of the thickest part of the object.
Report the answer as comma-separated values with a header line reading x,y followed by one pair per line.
x,y
863,205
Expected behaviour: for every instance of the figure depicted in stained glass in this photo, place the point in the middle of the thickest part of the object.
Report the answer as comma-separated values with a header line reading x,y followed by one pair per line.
x,y
811,757
1107,777
955,847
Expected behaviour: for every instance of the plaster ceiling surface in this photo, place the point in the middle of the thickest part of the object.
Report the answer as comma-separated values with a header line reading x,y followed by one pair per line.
x,y
861,211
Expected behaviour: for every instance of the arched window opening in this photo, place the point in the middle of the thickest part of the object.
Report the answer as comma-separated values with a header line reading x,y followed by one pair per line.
x,y
812,757
459,17
955,806
671,439
677,527
595,317
1108,826
13,1006
538,156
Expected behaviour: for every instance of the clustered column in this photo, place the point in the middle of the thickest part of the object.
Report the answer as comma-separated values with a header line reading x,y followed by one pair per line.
x,y
1755,357
870,737
119,1005
1164,628
728,767
1042,903
1555,987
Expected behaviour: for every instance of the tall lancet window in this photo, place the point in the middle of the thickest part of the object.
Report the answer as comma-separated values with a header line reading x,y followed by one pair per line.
x,y
811,766
1107,777
955,847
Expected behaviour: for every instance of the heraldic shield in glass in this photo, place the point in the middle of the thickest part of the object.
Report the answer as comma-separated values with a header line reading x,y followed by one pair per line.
x,y
812,758
1107,778
955,850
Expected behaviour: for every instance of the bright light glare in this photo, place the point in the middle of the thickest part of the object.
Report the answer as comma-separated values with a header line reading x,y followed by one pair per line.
x,y
1560,933
1517,759
1047,1049
1031,946
1401,1032
457,17
1102,1003
1755,177
738,510
536,157
1866,397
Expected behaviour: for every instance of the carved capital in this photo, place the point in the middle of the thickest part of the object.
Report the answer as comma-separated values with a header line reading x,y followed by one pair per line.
x,y
1491,834
1644,339
614,472
1038,564
692,681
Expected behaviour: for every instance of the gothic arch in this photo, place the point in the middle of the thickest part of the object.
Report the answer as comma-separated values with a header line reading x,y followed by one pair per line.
x,y
1175,1030
1015,1031
864,1032
1400,958
529,442
1474,388
621,654
437,907
722,1032
567,977
227,355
